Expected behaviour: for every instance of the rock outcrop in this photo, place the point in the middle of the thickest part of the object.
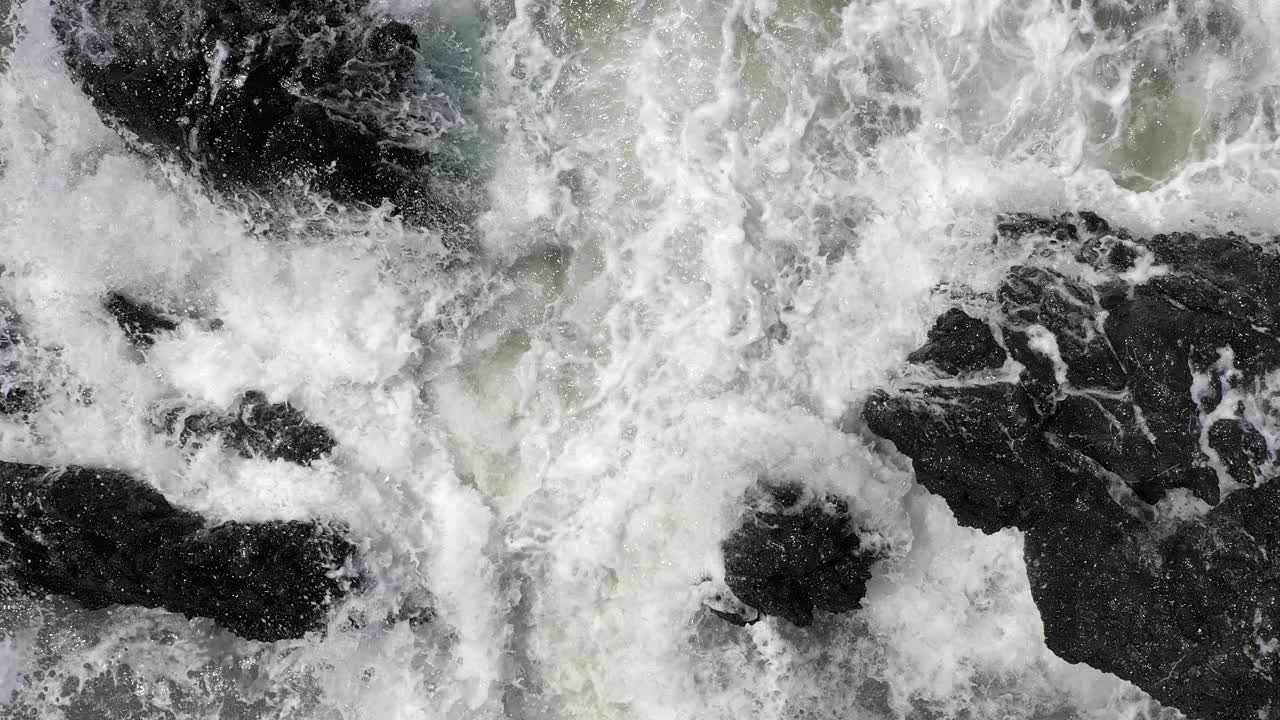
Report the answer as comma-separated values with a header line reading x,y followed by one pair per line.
x,y
275,431
793,554
260,97
1115,403
104,538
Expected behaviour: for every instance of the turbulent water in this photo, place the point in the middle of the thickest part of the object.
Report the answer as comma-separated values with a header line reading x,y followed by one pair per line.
x,y
711,228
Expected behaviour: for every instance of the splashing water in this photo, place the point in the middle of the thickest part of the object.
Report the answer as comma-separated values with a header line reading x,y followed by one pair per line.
x,y
711,229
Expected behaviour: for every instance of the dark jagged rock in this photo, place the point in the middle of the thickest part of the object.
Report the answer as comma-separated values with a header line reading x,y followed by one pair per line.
x,y
275,431
140,322
259,95
1241,447
959,343
104,538
1139,357
1191,617
793,554
994,420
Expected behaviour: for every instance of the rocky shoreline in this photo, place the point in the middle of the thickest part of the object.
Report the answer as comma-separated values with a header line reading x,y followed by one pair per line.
x,y
1114,400
265,103
1115,404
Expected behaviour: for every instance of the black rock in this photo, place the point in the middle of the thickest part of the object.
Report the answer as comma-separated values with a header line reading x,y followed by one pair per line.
x,y
793,554
1034,297
977,447
959,343
140,322
258,96
1242,449
1119,378
104,538
275,431
1189,617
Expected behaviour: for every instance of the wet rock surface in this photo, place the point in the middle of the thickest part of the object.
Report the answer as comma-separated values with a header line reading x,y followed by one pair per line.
x,y
140,322
259,97
258,428
104,538
1129,443
792,555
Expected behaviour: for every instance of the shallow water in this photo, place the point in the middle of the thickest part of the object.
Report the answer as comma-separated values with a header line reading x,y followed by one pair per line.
x,y
711,229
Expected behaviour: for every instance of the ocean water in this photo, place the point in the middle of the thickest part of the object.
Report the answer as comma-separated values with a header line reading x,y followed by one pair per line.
x,y
710,228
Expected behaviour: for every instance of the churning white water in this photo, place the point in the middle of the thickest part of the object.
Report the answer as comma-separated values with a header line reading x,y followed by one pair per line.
x,y
712,228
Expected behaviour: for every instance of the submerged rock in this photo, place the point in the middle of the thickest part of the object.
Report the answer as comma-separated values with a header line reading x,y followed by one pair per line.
x,y
19,394
104,538
1143,388
258,428
259,96
32,374
793,554
275,431
140,322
